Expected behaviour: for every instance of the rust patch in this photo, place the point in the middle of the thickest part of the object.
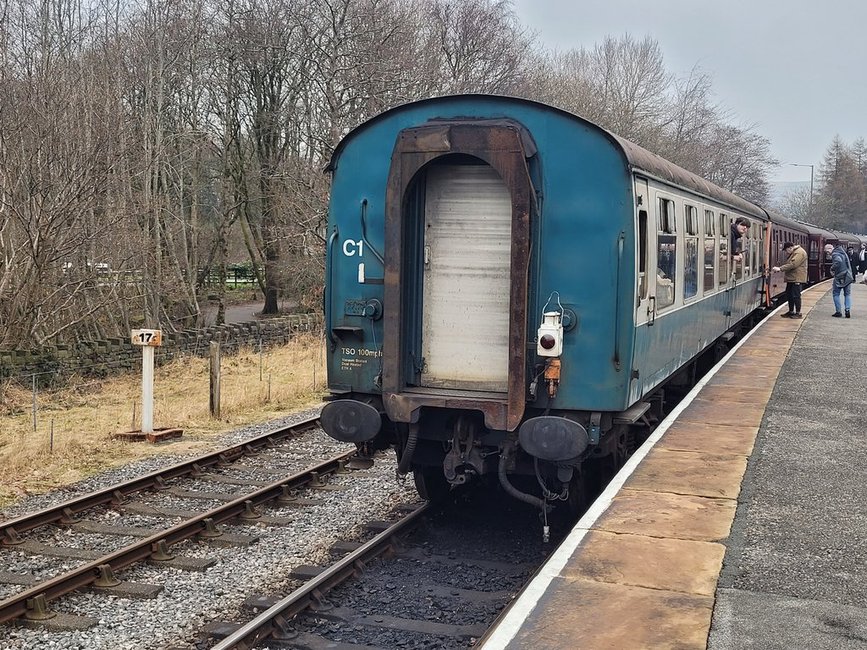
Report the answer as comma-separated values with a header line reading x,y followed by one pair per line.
x,y
588,614
736,440
687,566
684,472
660,514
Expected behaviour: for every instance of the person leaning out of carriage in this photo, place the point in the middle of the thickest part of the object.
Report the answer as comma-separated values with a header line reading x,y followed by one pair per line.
x,y
841,270
795,268
739,228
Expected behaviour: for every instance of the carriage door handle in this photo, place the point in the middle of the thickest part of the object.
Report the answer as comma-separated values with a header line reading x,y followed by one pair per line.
x,y
651,310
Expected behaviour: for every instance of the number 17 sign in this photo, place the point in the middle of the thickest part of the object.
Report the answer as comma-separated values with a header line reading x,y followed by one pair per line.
x,y
147,340
152,338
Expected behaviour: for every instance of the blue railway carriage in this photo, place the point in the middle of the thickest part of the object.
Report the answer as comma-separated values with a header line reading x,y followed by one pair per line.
x,y
509,287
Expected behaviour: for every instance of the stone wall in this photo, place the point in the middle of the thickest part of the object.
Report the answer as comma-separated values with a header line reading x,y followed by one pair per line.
x,y
101,358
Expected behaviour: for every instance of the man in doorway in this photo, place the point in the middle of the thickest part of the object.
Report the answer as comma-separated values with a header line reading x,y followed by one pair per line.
x,y
795,268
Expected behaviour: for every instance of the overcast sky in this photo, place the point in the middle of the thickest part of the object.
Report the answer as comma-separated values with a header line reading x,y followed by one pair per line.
x,y
794,70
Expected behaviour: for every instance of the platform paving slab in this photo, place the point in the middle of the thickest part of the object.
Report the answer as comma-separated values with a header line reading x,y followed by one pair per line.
x,y
570,612
684,472
668,564
658,515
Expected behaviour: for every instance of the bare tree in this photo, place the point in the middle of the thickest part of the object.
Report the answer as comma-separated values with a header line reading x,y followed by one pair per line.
x,y
479,44
693,120
51,176
796,204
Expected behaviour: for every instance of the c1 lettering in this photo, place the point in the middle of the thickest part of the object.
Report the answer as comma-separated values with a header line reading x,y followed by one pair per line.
x,y
350,248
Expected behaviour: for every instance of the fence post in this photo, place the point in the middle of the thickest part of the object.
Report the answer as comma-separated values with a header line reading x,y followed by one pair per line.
x,y
34,402
214,349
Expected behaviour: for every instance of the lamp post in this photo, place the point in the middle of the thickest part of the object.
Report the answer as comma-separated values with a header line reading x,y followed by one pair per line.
x,y
811,180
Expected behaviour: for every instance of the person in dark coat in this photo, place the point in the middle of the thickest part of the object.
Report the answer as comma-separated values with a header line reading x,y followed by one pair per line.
x,y
841,269
796,274
853,259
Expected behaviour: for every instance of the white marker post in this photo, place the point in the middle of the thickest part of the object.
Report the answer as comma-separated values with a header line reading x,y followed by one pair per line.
x,y
148,340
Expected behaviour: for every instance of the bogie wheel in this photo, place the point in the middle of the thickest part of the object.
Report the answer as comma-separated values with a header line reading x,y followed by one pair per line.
x,y
430,483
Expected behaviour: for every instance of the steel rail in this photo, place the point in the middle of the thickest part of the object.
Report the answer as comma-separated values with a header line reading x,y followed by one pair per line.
x,y
261,627
17,605
63,513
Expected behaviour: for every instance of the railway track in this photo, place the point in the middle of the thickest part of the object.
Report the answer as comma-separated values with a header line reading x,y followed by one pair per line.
x,y
240,499
436,578
65,512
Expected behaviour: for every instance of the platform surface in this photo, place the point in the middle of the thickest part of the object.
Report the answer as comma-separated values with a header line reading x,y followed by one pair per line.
x,y
741,523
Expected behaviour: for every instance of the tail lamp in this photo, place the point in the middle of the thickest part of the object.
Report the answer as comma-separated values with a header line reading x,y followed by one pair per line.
x,y
549,340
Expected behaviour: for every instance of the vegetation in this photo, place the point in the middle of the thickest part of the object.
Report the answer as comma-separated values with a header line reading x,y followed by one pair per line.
x,y
839,199
841,202
147,144
84,415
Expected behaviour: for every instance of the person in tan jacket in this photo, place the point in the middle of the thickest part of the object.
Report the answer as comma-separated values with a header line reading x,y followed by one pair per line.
x,y
795,268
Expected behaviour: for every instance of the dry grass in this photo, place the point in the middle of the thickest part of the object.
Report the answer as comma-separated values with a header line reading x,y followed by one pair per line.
x,y
86,413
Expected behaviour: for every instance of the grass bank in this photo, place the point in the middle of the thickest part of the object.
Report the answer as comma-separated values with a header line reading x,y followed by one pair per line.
x,y
84,414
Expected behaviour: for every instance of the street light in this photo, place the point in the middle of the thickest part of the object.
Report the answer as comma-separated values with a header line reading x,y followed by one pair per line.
x,y
811,179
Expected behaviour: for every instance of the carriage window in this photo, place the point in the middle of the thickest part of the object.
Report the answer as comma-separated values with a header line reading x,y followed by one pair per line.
x,y
709,250
690,269
666,216
754,257
642,254
690,219
724,230
709,223
743,268
666,254
760,252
